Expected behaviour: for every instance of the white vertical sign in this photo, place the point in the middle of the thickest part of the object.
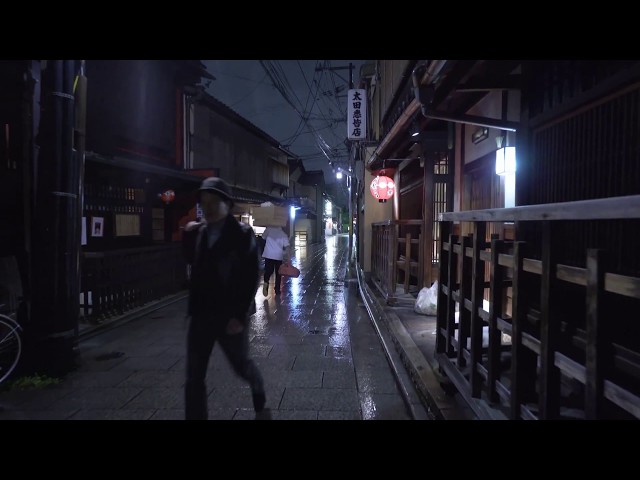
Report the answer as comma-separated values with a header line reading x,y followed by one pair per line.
x,y
357,114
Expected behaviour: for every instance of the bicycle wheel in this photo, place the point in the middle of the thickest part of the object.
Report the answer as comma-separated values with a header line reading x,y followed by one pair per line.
x,y
10,347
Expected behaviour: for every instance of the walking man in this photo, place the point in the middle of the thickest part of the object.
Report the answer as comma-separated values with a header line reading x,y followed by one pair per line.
x,y
224,278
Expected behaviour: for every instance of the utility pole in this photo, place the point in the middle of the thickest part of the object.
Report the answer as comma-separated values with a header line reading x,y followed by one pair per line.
x,y
349,179
351,187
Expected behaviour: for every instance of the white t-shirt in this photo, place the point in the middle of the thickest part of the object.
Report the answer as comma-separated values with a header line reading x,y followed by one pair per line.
x,y
275,241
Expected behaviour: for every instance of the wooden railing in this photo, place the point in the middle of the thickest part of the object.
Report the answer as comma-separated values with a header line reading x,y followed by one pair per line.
x,y
544,359
397,256
114,282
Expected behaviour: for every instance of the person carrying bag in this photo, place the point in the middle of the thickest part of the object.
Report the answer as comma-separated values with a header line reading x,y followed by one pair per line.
x,y
288,270
276,248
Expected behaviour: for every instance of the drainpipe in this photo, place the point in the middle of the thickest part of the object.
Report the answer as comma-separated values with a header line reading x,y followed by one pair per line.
x,y
80,95
429,74
55,228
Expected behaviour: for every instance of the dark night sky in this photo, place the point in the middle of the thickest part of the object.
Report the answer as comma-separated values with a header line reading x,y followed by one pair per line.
x,y
291,100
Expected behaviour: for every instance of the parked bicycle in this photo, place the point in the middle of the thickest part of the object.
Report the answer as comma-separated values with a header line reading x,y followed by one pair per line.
x,y
10,346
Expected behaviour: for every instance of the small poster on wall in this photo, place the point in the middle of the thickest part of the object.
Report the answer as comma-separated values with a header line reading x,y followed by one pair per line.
x,y
127,225
97,226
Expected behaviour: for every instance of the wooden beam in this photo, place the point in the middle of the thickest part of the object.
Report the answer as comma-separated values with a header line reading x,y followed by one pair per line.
x,y
477,291
509,82
452,270
549,383
597,356
464,318
612,208
443,291
519,305
495,311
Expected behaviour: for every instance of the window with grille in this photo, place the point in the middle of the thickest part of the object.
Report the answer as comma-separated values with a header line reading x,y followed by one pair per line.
x,y
441,178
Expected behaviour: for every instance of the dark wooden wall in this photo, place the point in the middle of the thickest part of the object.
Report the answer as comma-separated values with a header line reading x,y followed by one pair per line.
x,y
15,158
584,143
131,109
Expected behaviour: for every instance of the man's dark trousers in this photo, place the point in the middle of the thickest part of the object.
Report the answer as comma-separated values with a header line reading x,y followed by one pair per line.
x,y
201,337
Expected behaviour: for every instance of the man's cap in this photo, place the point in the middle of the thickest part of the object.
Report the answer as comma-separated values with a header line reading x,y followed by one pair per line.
x,y
216,185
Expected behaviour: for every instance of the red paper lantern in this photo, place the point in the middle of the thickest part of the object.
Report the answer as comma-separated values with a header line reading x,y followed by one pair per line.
x,y
167,196
382,188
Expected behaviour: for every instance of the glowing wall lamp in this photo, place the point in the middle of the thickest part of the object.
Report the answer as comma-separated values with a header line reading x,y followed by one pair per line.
x,y
505,157
506,168
414,131
382,187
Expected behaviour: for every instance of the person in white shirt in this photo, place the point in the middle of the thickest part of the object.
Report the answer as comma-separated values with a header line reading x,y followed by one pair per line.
x,y
276,251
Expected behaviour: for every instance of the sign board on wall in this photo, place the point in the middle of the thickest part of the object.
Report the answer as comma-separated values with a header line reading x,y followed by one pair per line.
x,y
127,225
357,114
270,215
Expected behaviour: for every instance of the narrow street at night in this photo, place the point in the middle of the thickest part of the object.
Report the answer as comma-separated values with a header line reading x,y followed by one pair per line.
x,y
315,345
463,235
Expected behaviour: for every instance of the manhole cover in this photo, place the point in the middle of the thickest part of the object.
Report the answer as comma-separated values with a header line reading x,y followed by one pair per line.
x,y
109,356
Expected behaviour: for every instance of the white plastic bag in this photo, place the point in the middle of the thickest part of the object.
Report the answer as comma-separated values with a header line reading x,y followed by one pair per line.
x,y
427,301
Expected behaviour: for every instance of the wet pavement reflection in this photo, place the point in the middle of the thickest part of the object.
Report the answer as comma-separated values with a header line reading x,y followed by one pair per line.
x,y
318,351
325,333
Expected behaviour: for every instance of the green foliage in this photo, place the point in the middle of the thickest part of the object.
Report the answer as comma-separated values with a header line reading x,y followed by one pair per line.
x,y
33,382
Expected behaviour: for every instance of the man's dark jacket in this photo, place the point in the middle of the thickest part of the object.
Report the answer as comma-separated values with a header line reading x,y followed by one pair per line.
x,y
224,278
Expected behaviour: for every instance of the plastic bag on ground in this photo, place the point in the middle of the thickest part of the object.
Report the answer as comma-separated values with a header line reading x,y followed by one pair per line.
x,y
427,301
